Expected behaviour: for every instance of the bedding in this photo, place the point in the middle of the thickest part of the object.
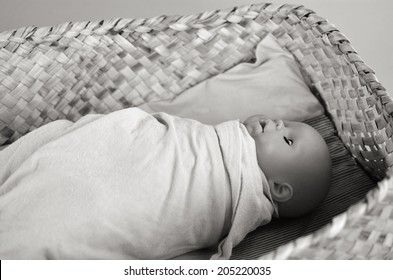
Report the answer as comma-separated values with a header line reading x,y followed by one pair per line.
x,y
130,185
272,85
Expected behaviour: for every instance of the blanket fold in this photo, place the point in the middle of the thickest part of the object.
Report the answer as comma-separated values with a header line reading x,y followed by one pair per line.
x,y
129,185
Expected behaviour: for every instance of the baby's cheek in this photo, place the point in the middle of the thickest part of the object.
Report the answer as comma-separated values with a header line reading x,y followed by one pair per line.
x,y
265,151
271,154
267,145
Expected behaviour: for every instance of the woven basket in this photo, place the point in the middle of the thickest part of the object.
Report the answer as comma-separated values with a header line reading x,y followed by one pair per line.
x,y
69,70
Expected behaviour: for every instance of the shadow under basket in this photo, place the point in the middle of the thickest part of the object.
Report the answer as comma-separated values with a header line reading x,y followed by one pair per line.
x,y
70,70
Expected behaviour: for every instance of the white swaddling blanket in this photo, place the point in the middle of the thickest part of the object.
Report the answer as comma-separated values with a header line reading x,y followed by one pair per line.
x,y
129,185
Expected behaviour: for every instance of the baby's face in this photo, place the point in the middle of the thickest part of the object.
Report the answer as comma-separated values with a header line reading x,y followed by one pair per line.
x,y
286,151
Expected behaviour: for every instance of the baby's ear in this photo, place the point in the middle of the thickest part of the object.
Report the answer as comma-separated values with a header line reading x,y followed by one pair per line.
x,y
281,192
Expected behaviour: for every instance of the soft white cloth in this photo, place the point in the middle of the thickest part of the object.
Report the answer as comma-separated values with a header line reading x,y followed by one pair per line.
x,y
129,185
272,85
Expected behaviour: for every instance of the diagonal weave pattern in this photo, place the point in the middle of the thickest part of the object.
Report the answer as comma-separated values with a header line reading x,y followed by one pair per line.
x,y
370,237
73,69
79,68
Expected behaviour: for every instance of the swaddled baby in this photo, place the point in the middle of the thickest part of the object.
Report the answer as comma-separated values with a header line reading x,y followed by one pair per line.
x,y
130,185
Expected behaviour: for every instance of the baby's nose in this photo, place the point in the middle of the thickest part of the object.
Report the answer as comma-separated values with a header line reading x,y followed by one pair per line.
x,y
279,124
273,125
269,125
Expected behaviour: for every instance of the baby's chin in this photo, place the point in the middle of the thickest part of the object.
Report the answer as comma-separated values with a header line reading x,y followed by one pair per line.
x,y
253,129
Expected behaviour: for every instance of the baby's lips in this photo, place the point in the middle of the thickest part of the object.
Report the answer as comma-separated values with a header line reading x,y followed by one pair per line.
x,y
256,118
260,123
267,124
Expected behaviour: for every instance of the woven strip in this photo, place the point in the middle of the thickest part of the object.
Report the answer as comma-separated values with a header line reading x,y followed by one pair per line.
x,y
98,67
73,69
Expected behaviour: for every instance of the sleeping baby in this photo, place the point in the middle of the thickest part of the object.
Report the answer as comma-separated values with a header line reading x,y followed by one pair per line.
x,y
133,185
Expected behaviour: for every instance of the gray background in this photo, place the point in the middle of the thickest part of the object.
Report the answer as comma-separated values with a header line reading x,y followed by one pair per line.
x,y
367,24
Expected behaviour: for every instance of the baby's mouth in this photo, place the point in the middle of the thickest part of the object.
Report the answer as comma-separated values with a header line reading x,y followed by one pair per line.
x,y
271,124
263,124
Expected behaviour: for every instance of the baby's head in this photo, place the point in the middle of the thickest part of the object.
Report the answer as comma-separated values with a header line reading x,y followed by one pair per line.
x,y
296,161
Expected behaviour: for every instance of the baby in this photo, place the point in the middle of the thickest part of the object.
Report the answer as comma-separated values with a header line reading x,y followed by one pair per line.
x,y
133,185
296,161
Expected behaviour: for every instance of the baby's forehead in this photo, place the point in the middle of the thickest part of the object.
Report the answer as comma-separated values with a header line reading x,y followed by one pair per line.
x,y
303,127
